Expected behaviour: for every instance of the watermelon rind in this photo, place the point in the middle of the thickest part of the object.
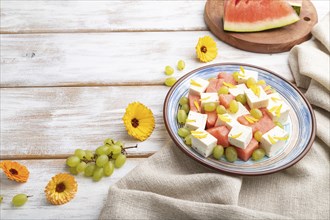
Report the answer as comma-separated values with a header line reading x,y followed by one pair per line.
x,y
260,26
296,5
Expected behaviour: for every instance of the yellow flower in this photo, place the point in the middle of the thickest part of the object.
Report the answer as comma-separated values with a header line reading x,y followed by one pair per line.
x,y
206,49
15,171
139,121
61,189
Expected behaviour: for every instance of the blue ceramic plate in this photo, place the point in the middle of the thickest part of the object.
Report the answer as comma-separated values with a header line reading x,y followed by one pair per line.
x,y
300,125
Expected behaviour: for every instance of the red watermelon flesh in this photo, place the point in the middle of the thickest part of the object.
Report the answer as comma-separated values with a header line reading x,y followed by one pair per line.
x,y
211,119
225,99
221,134
245,154
253,15
212,86
263,125
227,77
192,99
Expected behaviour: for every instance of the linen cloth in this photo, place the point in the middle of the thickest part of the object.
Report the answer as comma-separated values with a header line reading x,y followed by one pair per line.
x,y
170,185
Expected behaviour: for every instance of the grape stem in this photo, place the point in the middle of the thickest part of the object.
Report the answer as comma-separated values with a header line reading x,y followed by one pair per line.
x,y
130,147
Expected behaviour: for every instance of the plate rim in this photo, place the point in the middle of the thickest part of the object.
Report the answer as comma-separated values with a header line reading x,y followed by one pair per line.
x,y
189,154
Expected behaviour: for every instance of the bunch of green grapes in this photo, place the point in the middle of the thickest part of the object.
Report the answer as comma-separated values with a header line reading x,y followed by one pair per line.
x,y
102,162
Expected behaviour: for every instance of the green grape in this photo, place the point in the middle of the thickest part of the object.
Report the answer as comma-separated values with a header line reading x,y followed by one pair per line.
x,y
81,167
236,75
80,153
109,141
181,65
108,168
73,170
170,81
210,107
1,198
108,150
241,98
120,160
257,135
279,124
182,116
101,150
218,152
187,140
256,113
101,160
72,161
19,200
251,82
185,107
119,143
98,174
89,170
221,109
114,156
223,90
116,149
258,154
89,154
233,106
169,70
231,154
183,100
183,132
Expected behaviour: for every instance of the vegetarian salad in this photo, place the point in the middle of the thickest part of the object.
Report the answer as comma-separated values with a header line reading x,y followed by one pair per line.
x,y
234,115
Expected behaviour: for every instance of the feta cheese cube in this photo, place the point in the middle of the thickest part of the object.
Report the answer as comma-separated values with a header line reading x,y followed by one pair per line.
x,y
278,110
211,97
256,97
238,90
243,77
203,142
240,136
241,111
198,86
273,140
227,120
195,121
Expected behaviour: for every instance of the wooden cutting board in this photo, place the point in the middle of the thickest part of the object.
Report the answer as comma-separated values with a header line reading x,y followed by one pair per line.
x,y
270,41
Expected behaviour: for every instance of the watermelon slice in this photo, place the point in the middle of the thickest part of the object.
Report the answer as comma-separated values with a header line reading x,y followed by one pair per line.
x,y
253,15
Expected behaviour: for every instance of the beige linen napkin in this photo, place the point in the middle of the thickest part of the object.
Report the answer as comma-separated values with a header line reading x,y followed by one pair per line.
x,y
170,185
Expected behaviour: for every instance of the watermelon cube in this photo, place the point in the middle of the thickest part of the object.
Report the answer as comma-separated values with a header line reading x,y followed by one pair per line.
x,y
225,99
221,134
263,125
212,86
245,154
211,119
227,77
194,103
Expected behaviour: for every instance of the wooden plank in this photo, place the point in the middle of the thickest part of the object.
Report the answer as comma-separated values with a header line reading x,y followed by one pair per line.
x,y
46,16
112,58
53,122
87,204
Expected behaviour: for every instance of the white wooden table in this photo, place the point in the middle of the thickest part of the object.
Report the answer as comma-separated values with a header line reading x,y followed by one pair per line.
x,y
69,69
